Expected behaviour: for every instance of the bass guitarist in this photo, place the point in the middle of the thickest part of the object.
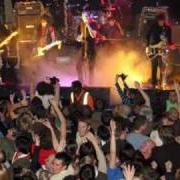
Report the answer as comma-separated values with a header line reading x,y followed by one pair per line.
x,y
158,39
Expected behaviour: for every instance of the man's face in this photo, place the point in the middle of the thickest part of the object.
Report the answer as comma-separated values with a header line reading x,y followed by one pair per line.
x,y
146,149
173,114
49,163
83,128
57,166
12,133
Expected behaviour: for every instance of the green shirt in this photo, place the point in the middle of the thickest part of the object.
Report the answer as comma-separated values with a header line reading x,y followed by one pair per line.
x,y
170,105
8,147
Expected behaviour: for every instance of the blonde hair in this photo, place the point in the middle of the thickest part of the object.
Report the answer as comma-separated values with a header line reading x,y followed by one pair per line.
x,y
121,110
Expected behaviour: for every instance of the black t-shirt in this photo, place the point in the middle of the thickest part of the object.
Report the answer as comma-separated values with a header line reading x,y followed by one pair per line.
x,y
159,33
169,152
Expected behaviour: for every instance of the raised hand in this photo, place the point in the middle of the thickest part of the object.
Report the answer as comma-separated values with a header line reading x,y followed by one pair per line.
x,y
53,102
24,98
90,136
47,124
129,172
113,126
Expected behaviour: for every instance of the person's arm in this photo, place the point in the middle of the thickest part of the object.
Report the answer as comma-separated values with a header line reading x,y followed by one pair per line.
x,y
55,141
57,94
35,156
58,145
119,89
125,85
120,29
102,167
52,33
176,88
124,98
112,162
61,117
143,93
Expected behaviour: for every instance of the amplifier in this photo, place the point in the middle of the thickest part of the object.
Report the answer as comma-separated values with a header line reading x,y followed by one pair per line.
x,y
27,26
28,8
147,18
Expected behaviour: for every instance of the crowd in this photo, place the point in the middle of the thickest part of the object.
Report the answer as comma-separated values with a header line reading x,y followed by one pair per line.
x,y
43,139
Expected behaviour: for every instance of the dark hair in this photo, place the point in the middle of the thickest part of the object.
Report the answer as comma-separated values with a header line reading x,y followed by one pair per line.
x,y
87,172
139,121
64,157
166,133
23,174
45,135
85,120
106,117
127,153
148,173
76,86
23,144
71,149
37,108
86,149
44,88
103,133
3,106
177,128
101,102
86,111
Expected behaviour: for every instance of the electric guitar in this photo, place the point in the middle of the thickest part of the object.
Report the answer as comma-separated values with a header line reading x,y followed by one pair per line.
x,y
159,49
41,50
8,39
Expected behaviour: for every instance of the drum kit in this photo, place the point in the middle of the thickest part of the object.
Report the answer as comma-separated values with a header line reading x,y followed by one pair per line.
x,y
74,17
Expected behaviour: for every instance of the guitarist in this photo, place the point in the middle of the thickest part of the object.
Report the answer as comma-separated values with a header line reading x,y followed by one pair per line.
x,y
159,33
46,31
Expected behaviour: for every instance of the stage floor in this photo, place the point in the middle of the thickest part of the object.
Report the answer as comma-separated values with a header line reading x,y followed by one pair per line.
x,y
126,57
